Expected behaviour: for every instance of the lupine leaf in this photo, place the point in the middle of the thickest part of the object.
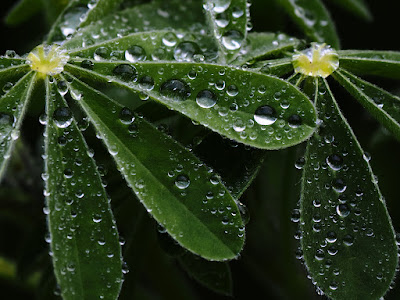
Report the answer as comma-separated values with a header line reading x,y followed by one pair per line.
x,y
154,45
314,19
79,13
23,11
263,45
371,62
13,105
385,107
163,15
277,67
358,7
347,237
228,22
216,276
170,181
251,108
84,238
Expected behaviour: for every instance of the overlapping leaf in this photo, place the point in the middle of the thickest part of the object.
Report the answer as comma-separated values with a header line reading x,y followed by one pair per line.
x,y
255,109
358,7
83,233
177,189
347,237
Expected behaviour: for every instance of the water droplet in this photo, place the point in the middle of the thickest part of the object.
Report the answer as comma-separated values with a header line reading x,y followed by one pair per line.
x,y
135,53
146,82
348,240
125,72
265,115
62,117
87,64
342,210
169,39
294,121
232,90
295,215
331,237
220,5
126,116
175,89
185,51
182,181
319,254
299,164
232,40
338,185
335,162
101,53
206,99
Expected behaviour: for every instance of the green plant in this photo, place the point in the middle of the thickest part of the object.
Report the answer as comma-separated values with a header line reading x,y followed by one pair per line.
x,y
199,60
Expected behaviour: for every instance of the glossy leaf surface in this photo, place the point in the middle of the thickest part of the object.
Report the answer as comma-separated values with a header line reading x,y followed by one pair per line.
x,y
314,19
84,239
369,62
228,22
251,108
348,240
385,107
176,188
13,105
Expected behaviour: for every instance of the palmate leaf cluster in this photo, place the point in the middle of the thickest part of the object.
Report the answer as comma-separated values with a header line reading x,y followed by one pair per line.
x,y
199,60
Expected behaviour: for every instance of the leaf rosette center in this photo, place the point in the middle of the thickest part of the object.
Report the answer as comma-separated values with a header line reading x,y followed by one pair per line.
x,y
47,60
320,60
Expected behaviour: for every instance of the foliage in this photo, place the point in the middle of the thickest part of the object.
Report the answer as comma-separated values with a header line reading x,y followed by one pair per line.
x,y
188,102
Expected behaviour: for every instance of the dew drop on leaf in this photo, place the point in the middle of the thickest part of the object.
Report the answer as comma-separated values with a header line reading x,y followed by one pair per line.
x,y
185,51
335,162
62,117
146,82
87,64
182,181
232,40
125,72
126,116
265,115
6,124
206,99
135,53
175,89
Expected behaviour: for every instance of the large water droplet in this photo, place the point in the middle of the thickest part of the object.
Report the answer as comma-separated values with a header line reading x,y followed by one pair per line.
x,y
125,72
146,82
343,210
294,121
62,117
101,53
232,40
335,162
206,99
175,89
126,116
265,115
6,124
182,181
135,53
185,51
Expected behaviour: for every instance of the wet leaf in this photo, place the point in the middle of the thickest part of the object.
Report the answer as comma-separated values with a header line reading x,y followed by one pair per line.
x,y
358,7
228,21
13,106
216,276
347,237
156,16
176,188
251,108
385,107
23,11
83,235
276,67
314,19
263,45
370,62
79,13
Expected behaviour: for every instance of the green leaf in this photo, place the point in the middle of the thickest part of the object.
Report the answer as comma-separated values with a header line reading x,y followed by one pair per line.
x,y
13,105
158,16
314,19
384,106
358,7
228,21
251,108
84,238
79,13
370,62
53,9
23,11
169,180
154,45
348,240
263,45
276,67
216,276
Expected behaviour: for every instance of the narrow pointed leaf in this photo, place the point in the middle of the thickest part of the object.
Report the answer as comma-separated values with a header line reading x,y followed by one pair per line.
x,y
347,237
23,11
251,108
13,105
263,45
385,107
153,45
84,238
315,20
228,22
170,181
79,13
162,15
358,7
368,62
10,68
216,276
276,67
